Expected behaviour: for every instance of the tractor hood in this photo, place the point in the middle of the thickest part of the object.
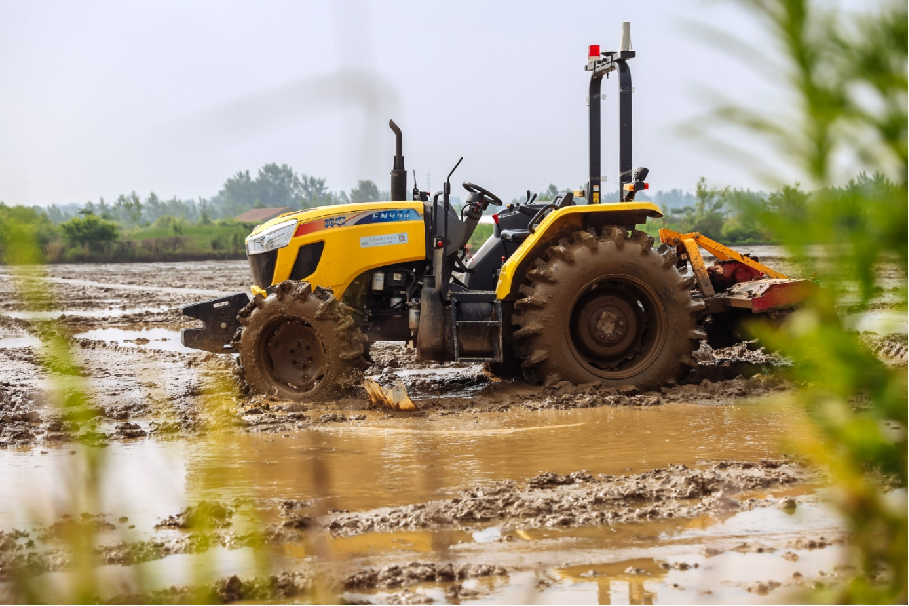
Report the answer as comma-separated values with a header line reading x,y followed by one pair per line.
x,y
330,246
310,215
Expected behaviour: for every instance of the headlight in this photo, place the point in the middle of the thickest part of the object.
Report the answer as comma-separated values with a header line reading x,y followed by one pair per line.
x,y
277,236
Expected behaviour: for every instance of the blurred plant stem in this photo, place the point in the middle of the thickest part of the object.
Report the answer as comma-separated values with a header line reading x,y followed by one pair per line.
x,y
67,394
848,74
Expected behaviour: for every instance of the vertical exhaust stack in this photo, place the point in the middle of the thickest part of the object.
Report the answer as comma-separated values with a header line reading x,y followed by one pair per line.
x,y
625,114
625,44
398,173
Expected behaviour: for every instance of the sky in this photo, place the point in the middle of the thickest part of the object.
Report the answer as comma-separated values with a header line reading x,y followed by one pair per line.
x,y
104,98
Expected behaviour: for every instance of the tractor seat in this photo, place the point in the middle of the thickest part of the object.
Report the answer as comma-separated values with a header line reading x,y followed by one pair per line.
x,y
515,235
519,235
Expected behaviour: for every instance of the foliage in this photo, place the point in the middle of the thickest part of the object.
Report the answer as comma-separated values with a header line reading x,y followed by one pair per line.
x,y
128,208
314,193
479,236
91,231
21,223
849,73
365,191
673,198
548,194
708,212
170,223
719,213
275,186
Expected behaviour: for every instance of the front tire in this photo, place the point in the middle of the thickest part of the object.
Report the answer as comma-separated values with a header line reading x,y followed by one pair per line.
x,y
607,308
300,343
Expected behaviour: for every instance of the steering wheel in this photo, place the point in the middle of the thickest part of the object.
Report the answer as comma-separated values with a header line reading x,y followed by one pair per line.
x,y
488,197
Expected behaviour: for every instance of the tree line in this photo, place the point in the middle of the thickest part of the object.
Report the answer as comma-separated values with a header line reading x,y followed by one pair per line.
x,y
206,226
274,186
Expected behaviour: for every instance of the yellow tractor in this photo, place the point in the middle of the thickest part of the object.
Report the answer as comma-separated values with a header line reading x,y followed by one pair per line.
x,y
561,291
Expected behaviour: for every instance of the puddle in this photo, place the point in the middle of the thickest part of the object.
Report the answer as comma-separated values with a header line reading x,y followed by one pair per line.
x,y
652,562
172,571
408,461
144,480
414,460
429,373
140,287
18,340
83,313
881,322
162,339
810,517
722,579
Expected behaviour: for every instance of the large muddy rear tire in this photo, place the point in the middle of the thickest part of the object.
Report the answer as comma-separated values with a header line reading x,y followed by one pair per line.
x,y
607,308
300,343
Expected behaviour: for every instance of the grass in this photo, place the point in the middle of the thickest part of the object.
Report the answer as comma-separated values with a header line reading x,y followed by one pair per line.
x,y
186,242
198,232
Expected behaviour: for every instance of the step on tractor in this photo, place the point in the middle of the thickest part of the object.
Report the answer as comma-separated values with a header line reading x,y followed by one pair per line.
x,y
564,290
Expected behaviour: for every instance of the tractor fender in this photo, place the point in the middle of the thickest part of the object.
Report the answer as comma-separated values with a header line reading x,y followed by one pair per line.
x,y
560,223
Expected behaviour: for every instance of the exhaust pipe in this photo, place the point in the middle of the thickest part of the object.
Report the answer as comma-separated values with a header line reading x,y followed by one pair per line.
x,y
626,173
398,173
625,44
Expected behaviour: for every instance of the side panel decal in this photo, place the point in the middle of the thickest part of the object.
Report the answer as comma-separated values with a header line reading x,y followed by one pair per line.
x,y
385,240
361,218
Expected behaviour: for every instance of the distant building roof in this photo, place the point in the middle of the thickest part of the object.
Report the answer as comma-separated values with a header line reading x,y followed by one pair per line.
x,y
260,215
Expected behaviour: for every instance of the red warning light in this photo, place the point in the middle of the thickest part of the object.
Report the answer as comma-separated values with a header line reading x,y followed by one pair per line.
x,y
593,51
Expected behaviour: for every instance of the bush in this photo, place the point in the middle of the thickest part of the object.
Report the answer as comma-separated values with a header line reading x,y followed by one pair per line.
x,y
91,231
735,232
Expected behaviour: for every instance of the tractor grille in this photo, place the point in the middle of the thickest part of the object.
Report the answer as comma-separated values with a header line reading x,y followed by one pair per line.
x,y
262,266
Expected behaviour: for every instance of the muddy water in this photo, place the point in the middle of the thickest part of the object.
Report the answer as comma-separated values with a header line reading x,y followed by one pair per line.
x,y
731,559
111,312
384,466
881,322
711,559
161,339
151,338
400,461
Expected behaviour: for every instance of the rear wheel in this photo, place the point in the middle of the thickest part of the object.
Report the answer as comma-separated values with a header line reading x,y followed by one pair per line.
x,y
300,343
607,308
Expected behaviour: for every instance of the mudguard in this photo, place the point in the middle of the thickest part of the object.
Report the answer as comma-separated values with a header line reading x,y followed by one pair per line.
x,y
619,213
220,319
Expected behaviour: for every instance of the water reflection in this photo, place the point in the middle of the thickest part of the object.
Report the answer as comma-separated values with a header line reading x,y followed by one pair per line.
x,y
398,460
412,460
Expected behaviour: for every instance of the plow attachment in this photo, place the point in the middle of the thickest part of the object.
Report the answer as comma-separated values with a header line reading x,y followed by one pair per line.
x,y
737,282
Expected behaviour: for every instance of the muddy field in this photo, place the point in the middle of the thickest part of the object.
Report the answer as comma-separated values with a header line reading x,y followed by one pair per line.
x,y
491,491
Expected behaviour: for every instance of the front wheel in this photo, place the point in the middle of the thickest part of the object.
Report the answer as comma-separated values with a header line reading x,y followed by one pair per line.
x,y
607,308
300,343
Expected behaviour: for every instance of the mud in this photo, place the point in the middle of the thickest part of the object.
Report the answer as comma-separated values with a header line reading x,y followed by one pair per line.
x,y
692,557
137,390
125,319
548,500
580,499
472,497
